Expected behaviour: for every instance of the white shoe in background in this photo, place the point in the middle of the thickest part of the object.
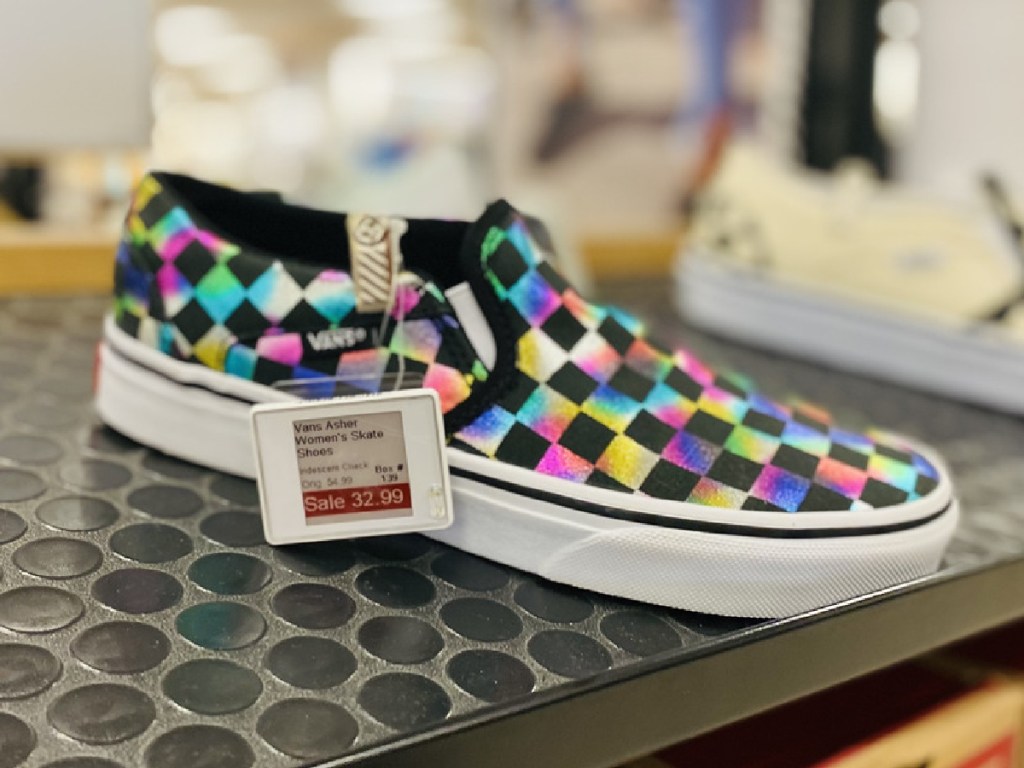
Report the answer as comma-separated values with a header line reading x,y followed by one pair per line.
x,y
865,277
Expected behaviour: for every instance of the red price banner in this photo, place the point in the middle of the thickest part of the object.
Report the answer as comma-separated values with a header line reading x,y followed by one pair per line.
x,y
348,501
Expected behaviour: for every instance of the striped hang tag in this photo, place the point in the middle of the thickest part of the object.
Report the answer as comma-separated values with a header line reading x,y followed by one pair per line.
x,y
376,258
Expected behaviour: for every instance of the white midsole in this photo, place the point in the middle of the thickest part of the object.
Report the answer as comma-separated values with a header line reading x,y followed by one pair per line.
x,y
711,572
706,572
964,362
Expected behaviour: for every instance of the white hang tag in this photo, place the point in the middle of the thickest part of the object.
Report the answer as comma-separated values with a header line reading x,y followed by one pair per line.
x,y
367,465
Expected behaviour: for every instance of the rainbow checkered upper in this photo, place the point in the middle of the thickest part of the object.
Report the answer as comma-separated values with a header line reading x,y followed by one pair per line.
x,y
597,402
586,397
195,296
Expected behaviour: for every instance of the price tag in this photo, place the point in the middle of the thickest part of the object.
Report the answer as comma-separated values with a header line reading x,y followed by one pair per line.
x,y
367,465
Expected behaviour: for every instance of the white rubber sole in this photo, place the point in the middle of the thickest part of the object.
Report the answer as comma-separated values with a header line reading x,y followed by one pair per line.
x,y
769,575
966,363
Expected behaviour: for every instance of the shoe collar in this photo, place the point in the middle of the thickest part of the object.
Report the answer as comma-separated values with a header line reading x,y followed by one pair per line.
x,y
502,377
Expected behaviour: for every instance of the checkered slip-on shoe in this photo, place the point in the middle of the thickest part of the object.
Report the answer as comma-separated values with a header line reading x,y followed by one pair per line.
x,y
580,450
862,276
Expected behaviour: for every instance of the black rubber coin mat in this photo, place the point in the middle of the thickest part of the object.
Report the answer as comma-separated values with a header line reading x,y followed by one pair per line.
x,y
144,621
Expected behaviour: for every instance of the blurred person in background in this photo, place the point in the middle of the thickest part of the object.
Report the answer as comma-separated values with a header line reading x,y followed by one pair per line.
x,y
712,27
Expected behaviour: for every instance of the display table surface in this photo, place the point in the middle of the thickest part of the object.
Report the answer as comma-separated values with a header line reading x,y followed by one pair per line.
x,y
143,618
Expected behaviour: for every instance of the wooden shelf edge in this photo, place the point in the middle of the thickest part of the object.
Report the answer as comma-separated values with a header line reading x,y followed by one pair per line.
x,y
634,256
49,263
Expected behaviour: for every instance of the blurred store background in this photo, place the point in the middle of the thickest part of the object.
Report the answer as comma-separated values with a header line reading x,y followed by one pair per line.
x,y
602,117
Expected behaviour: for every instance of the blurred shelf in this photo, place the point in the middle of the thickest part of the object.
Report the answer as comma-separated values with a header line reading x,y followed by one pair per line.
x,y
38,260
631,255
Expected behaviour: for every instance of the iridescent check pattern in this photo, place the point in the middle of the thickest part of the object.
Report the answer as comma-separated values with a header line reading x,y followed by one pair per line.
x,y
590,399
597,402
195,296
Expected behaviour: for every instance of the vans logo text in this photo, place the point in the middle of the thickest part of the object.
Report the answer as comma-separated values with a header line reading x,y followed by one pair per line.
x,y
336,338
